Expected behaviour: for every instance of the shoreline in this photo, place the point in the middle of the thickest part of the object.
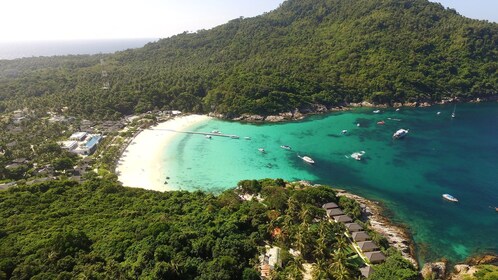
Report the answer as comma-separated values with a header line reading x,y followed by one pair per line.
x,y
398,236
317,109
141,163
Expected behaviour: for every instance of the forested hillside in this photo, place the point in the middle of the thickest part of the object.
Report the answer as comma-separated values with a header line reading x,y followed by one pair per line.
x,y
305,52
100,230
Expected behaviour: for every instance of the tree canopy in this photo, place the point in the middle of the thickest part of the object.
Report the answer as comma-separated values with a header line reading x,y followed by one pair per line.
x,y
305,52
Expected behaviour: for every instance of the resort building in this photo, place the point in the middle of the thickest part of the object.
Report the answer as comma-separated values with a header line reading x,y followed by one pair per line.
x,y
343,219
330,205
367,246
82,143
366,271
353,227
78,136
375,257
334,212
360,236
270,260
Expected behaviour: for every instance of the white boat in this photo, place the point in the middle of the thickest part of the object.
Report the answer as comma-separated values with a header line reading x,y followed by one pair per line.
x,y
397,110
234,137
208,136
376,111
357,155
400,133
453,114
286,147
358,124
449,197
216,132
438,113
307,159
247,138
344,131
262,150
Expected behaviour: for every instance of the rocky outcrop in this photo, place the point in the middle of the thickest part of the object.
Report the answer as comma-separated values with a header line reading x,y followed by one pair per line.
x,y
434,271
397,236
468,269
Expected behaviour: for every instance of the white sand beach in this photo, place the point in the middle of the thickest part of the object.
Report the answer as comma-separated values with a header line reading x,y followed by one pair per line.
x,y
141,165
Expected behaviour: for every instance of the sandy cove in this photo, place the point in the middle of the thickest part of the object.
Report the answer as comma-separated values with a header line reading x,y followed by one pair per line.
x,y
141,164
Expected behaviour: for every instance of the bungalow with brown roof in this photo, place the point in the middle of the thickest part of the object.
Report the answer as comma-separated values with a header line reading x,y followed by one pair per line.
x,y
352,227
343,219
360,236
367,246
375,257
366,271
330,205
334,212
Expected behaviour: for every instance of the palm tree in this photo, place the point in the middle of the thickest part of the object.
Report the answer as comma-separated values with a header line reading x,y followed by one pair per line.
x,y
339,266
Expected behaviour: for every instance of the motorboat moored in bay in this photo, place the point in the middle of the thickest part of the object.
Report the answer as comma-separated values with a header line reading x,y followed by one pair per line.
x,y
400,133
306,159
449,197
285,147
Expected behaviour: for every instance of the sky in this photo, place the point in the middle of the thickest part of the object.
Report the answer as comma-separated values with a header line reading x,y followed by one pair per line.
x,y
35,20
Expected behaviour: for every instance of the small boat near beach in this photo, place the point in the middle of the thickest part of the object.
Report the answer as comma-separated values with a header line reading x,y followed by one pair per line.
x,y
216,132
261,150
376,111
285,147
234,137
397,110
306,159
400,133
381,123
453,114
449,197
247,138
208,136
344,131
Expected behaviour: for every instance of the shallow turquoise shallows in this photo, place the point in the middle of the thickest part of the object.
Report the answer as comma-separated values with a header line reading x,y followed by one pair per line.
x,y
440,154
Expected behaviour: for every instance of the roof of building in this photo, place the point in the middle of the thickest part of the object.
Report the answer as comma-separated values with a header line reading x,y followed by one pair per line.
x,y
352,227
375,257
78,135
334,212
367,246
330,205
360,236
366,271
343,219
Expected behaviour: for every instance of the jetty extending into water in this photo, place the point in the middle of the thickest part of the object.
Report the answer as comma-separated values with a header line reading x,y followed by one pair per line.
x,y
201,133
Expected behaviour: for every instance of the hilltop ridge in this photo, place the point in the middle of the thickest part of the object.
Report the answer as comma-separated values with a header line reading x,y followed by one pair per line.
x,y
326,52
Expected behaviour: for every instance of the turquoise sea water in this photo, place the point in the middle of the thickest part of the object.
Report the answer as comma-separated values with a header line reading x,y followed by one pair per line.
x,y
440,155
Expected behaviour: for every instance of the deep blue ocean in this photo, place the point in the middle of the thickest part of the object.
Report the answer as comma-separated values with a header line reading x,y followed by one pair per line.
x,y
12,50
440,155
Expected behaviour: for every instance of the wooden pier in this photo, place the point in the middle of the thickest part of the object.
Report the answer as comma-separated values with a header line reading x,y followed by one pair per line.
x,y
201,133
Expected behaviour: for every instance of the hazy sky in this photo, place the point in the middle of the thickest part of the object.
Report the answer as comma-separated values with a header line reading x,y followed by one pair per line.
x,y
99,19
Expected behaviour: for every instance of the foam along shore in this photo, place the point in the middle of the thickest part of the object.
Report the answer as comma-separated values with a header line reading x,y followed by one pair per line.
x,y
141,164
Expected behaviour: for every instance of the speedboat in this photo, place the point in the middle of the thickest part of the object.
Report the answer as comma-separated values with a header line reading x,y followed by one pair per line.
x,y
438,113
208,136
234,137
247,138
286,147
381,123
400,133
449,197
344,131
376,111
397,110
216,132
357,155
262,150
307,159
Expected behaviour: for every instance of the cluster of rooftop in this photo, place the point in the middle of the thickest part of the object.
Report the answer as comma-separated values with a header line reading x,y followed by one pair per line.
x,y
369,249
82,143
